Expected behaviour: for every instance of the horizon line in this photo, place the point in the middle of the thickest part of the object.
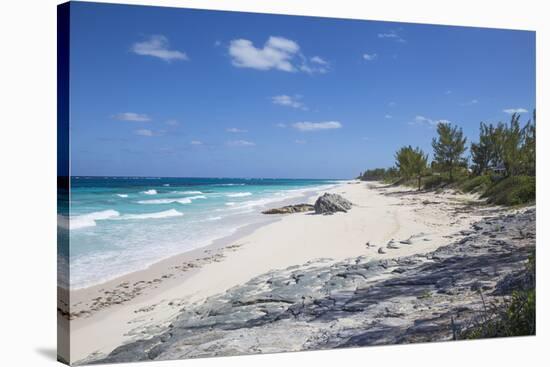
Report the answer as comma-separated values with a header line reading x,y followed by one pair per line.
x,y
208,177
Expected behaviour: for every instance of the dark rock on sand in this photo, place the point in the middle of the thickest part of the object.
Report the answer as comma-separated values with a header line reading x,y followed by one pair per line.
x,y
392,245
299,208
331,203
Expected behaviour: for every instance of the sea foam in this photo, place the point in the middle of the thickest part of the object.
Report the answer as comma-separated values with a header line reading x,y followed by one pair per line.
x,y
150,192
186,200
239,194
89,220
157,215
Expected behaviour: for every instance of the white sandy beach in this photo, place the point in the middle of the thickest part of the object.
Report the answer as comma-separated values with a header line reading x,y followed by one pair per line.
x,y
143,302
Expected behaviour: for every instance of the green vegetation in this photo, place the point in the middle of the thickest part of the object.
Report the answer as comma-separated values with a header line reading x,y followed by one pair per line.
x,y
426,294
373,174
502,170
513,190
435,182
484,151
411,163
476,184
449,148
380,174
516,318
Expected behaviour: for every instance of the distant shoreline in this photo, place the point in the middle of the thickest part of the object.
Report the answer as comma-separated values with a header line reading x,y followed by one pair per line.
x,y
207,177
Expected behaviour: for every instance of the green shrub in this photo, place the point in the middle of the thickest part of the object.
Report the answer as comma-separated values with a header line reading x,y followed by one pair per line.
x,y
476,184
516,318
521,315
512,191
390,180
403,181
434,182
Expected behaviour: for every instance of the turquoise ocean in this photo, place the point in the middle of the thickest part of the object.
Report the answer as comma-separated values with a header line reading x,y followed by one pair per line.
x,y
122,224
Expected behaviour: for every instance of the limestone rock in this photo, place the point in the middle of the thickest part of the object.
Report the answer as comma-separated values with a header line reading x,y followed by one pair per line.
x,y
331,203
298,208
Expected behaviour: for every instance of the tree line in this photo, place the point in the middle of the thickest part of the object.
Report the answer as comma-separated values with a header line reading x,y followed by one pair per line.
x,y
503,149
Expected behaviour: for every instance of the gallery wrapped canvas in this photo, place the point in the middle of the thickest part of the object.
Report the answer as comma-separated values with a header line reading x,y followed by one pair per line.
x,y
235,183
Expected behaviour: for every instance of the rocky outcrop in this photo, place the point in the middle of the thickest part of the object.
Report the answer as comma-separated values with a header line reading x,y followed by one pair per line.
x,y
331,203
289,209
325,304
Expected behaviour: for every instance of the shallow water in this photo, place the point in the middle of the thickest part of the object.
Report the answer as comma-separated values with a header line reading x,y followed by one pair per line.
x,y
119,225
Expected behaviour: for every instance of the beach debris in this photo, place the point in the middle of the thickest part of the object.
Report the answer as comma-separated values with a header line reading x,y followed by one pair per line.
x,y
429,202
408,241
381,250
391,244
331,203
288,209
145,309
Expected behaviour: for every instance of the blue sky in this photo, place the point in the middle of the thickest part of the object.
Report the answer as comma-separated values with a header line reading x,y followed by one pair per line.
x,y
176,92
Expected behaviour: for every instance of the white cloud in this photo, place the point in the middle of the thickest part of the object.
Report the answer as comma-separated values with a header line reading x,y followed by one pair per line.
x,y
392,35
281,125
370,57
315,65
144,132
158,46
277,53
511,111
288,101
300,141
387,35
132,116
392,104
235,130
284,44
471,102
195,142
387,116
148,132
448,92
240,143
314,126
426,121
172,122
419,120
318,60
